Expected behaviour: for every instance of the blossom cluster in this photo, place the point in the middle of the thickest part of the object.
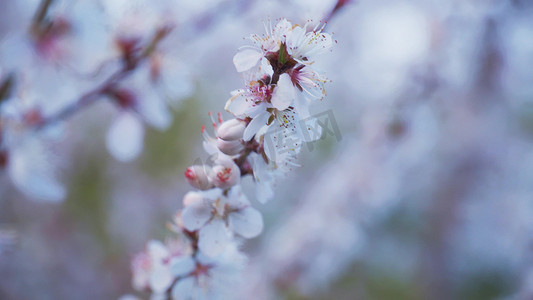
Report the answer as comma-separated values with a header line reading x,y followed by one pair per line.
x,y
280,85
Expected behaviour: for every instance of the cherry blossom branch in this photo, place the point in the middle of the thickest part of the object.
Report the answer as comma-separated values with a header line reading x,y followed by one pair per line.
x,y
280,84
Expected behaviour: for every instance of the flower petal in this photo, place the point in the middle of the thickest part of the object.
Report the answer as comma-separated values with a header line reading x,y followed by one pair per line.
x,y
160,279
180,266
246,59
255,125
236,199
284,93
237,104
154,110
125,137
247,222
301,106
195,216
157,252
264,192
184,289
213,237
312,131
30,169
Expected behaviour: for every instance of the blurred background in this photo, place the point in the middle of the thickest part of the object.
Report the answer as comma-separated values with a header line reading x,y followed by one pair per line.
x,y
427,193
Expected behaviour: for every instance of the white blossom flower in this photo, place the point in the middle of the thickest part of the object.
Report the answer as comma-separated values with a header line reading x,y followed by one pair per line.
x,y
26,157
281,148
284,93
270,42
216,214
157,267
263,139
281,92
304,45
301,46
214,278
309,81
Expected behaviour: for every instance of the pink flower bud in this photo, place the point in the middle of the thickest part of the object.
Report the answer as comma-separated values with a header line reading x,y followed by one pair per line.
x,y
231,130
229,147
198,177
225,174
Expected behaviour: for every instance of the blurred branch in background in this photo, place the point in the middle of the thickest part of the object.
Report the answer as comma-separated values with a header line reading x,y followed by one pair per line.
x,y
336,9
132,56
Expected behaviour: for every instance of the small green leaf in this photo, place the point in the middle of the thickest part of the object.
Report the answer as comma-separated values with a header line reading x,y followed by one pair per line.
x,y
283,54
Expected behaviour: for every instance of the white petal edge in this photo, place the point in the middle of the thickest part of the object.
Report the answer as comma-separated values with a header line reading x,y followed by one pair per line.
x,y
284,93
255,125
195,216
154,110
213,238
31,172
157,251
247,222
184,289
124,139
246,59
237,104
160,279
181,266
264,192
